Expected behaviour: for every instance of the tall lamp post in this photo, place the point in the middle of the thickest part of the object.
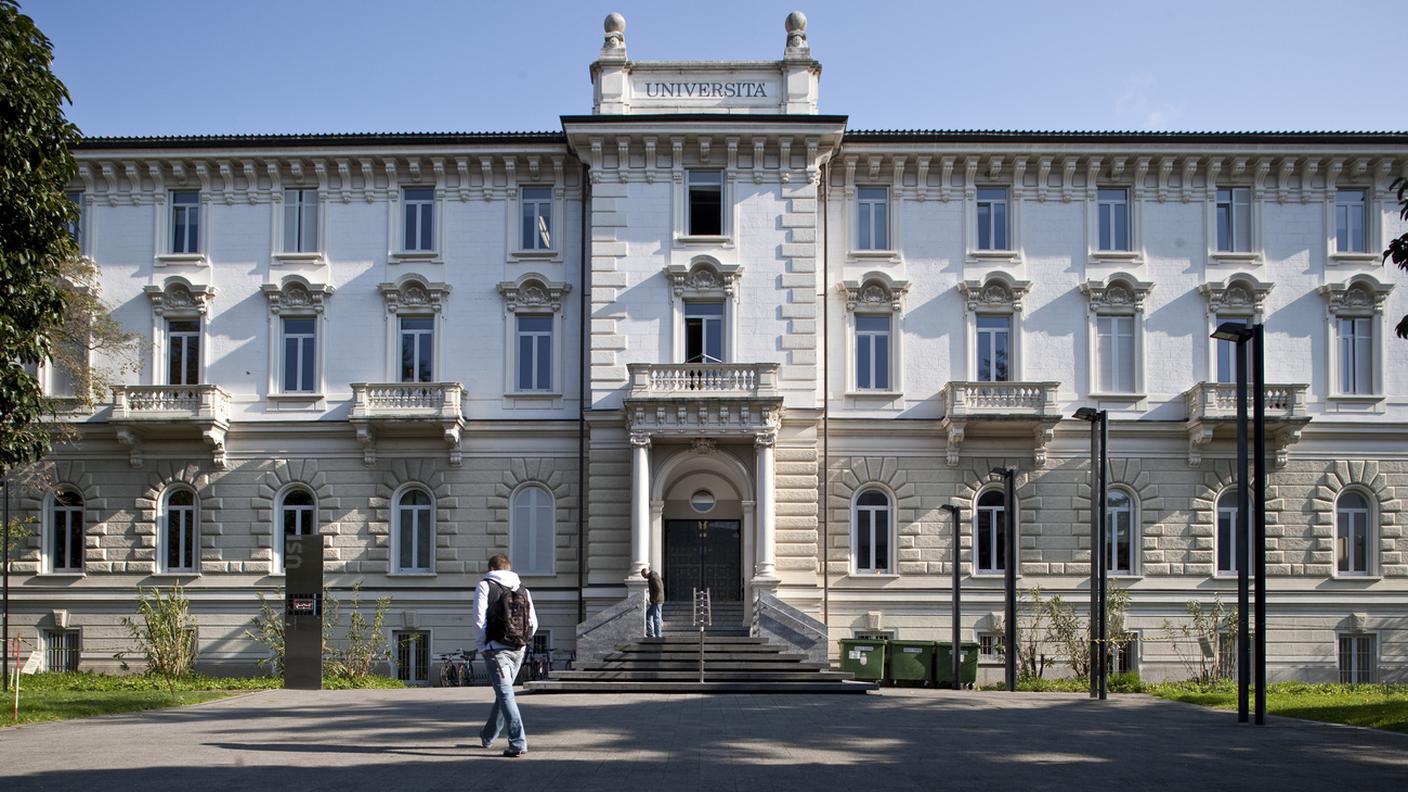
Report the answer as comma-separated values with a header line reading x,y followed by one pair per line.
x,y
5,572
1009,564
956,512
1099,463
1241,335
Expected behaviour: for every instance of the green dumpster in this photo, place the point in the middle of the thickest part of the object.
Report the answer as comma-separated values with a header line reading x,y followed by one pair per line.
x,y
911,661
967,664
864,658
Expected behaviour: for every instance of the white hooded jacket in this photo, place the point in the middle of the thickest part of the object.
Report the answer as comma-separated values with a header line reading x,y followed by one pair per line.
x,y
509,580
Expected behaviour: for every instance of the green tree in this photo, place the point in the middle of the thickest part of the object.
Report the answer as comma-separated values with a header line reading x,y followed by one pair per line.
x,y
1398,248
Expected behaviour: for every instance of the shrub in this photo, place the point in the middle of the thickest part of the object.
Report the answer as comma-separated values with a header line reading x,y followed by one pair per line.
x,y
1127,682
167,633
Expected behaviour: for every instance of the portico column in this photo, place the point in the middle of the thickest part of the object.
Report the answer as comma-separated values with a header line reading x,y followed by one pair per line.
x,y
765,517
640,502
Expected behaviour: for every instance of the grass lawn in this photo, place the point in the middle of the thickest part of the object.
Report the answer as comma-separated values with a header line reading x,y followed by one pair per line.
x,y
59,696
1376,706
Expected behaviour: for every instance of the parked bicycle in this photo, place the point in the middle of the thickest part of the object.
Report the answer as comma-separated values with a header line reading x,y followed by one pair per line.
x,y
456,668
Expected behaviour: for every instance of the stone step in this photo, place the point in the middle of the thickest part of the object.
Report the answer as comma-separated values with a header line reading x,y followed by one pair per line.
x,y
679,638
709,676
709,657
547,686
693,646
710,665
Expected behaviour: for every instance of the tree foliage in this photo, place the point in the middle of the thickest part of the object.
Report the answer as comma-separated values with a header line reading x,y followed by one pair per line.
x,y
1398,249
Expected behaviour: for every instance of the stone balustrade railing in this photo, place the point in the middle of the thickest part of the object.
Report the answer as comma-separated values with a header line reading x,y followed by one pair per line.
x,y
703,379
1219,400
407,400
170,402
977,399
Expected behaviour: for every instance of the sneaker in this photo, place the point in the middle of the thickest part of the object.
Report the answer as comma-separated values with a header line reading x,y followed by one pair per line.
x,y
512,754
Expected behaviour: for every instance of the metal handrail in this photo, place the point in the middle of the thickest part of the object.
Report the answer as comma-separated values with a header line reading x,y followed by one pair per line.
x,y
703,618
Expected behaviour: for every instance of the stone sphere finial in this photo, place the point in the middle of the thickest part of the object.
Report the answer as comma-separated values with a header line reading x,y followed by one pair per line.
x,y
615,26
796,30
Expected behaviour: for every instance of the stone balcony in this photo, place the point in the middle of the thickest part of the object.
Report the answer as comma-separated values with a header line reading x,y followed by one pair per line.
x,y
170,412
703,399
1212,414
1000,407
407,409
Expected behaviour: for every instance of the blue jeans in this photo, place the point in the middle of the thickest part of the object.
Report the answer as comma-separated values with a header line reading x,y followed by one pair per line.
x,y
654,621
503,665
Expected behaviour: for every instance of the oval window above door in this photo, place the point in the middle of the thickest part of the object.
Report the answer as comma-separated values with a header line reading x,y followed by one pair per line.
x,y
702,501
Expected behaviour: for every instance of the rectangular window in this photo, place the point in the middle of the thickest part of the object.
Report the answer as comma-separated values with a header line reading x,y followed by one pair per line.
x,y
537,218
535,353
1227,352
1356,352
1351,220
75,228
1123,654
183,351
1116,353
994,348
300,220
1227,535
419,230
61,650
1234,219
872,352
1113,206
1352,538
703,332
185,221
992,218
874,231
412,655
300,355
992,536
1359,660
706,202
987,645
417,345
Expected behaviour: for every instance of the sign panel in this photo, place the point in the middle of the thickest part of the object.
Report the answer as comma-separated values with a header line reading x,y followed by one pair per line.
x,y
303,612
657,91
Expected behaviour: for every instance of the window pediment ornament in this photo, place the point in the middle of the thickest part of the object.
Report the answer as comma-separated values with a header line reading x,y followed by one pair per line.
x,y
997,291
1238,294
704,277
296,295
179,296
412,293
533,292
1120,293
1360,295
875,292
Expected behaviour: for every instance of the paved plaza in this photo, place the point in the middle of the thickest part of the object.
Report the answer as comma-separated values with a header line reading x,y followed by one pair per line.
x,y
907,739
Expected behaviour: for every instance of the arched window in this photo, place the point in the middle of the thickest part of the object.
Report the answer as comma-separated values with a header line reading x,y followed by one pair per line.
x,y
872,532
414,538
64,540
1227,533
991,529
1121,542
180,533
1353,534
531,534
297,516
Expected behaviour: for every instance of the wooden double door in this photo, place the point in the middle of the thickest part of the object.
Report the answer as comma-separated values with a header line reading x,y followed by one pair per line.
x,y
705,554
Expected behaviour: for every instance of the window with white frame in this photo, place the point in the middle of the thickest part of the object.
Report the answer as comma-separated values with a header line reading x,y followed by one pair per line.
x,y
185,221
180,531
703,331
297,516
1358,659
1351,221
300,220
532,535
64,540
75,226
1115,351
1227,533
1356,354
1121,542
414,531
61,650
1356,359
873,351
1234,219
417,348
300,354
873,218
1227,351
990,525
994,353
705,202
183,351
1353,534
418,225
993,228
536,207
412,655
872,520
534,352
1112,206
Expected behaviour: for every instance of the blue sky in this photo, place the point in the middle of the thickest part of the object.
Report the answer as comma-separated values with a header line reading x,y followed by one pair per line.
x,y
248,66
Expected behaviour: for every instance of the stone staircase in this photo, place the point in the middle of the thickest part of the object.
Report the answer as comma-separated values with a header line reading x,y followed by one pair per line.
x,y
732,663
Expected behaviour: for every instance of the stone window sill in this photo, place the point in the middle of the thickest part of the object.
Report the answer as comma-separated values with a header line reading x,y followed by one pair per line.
x,y
1235,256
422,256
298,257
180,259
717,240
550,255
1355,258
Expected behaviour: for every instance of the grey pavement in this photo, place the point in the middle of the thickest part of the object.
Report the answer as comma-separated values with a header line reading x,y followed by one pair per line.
x,y
896,739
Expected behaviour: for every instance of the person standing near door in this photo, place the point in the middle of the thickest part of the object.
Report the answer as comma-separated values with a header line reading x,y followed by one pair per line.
x,y
655,605
505,621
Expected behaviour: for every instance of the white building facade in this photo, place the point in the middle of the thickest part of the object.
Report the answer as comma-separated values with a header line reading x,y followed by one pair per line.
x,y
712,330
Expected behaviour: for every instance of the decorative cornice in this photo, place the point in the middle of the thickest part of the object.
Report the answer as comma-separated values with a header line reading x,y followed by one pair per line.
x,y
179,296
413,292
996,291
296,294
1361,294
533,292
1119,292
704,276
1239,293
875,290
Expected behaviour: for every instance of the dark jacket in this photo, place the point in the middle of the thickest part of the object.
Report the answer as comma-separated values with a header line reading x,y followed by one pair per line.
x,y
657,588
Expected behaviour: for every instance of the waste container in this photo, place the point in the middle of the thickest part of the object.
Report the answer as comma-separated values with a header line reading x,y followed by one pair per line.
x,y
864,658
911,661
967,664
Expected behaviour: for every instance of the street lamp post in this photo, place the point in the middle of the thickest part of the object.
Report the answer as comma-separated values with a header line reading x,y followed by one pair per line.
x,y
1259,510
1009,563
5,566
955,655
1099,462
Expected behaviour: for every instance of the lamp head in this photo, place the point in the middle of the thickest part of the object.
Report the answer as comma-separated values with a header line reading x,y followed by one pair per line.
x,y
951,509
1236,332
1087,414
1004,472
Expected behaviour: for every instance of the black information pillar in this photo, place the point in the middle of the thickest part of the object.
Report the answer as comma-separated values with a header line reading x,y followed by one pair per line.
x,y
303,612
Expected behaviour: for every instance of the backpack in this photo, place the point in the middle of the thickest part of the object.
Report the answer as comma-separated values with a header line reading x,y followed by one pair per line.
x,y
508,612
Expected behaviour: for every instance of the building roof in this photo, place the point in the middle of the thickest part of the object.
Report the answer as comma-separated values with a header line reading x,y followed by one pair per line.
x,y
320,139
1119,136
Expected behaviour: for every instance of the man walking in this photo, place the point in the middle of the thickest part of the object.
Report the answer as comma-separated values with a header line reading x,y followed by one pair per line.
x,y
654,618
505,622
